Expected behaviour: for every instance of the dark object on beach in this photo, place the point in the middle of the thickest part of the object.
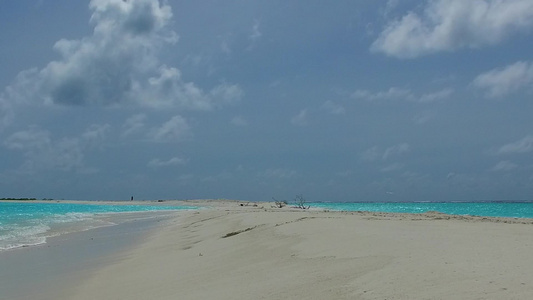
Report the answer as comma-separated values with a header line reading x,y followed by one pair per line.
x,y
280,204
300,202
131,198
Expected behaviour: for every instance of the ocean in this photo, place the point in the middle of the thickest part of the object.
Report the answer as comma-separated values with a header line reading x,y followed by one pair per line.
x,y
484,209
31,223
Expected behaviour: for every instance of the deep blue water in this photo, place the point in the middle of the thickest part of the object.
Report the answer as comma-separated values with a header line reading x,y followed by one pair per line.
x,y
27,223
486,209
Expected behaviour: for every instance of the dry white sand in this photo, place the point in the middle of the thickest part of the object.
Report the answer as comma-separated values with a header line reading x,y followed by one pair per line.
x,y
229,251
245,252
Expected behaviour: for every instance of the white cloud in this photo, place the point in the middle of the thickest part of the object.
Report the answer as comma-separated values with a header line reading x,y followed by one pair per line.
x,y
157,163
225,46
96,133
227,93
118,64
504,166
522,146
446,25
300,119
451,175
256,34
130,17
19,92
107,67
223,176
239,121
396,150
390,6
333,108
133,124
436,96
392,168
371,154
390,94
33,138
278,173
4,111
423,117
376,153
176,129
501,82
42,152
395,93
186,179
167,89
346,173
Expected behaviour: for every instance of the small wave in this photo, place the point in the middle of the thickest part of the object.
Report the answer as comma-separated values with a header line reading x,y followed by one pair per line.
x,y
21,236
28,224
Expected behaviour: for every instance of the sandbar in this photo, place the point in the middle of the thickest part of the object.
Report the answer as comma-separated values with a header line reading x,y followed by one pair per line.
x,y
246,250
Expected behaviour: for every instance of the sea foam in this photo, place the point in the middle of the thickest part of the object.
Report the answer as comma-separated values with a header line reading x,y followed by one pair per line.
x,y
28,224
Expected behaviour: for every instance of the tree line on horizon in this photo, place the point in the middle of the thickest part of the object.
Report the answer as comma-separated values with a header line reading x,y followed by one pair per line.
x,y
21,199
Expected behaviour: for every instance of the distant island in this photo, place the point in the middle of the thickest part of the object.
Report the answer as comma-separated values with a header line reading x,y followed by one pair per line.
x,y
20,199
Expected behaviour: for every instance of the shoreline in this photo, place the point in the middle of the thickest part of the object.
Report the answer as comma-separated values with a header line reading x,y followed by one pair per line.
x,y
109,202
35,232
67,258
266,206
224,203
221,203
231,250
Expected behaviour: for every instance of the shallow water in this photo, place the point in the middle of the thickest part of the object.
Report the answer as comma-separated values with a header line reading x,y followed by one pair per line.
x,y
51,270
26,223
486,209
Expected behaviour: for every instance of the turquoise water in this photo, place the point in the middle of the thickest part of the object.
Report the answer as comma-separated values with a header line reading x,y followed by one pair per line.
x,y
486,209
26,223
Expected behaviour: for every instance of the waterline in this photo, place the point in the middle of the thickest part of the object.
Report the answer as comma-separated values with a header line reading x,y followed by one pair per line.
x,y
484,209
28,224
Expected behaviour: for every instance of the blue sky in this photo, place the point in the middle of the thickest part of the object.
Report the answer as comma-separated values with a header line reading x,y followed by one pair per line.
x,y
396,100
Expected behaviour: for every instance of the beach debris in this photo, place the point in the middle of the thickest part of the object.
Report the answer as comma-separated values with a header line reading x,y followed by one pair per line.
x,y
279,204
300,202
227,235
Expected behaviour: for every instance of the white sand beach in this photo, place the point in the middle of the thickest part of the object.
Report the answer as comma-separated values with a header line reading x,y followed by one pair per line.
x,y
229,251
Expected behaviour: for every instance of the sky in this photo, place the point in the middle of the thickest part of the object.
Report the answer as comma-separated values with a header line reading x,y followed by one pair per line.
x,y
346,100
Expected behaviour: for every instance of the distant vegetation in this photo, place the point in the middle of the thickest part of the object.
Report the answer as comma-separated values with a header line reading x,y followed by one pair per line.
x,y
19,199
299,202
